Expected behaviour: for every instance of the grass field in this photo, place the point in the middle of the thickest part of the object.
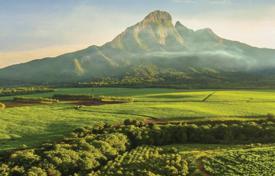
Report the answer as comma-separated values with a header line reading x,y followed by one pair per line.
x,y
30,125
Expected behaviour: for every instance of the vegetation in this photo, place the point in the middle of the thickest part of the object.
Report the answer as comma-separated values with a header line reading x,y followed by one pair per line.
x,y
2,106
34,100
111,99
74,97
258,161
75,155
101,149
23,90
21,125
146,160
116,99
169,119
151,75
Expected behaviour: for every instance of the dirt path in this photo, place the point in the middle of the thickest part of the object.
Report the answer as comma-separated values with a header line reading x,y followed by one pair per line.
x,y
201,167
207,97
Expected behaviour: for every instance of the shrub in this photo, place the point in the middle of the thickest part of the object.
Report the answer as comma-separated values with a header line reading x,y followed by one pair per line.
x,y
34,100
106,99
23,90
2,106
73,97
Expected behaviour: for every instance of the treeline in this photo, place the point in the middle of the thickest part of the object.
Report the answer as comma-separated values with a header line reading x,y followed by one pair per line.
x,y
23,90
88,150
212,133
110,99
35,100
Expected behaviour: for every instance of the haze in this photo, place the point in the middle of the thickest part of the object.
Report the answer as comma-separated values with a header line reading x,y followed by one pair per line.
x,y
35,29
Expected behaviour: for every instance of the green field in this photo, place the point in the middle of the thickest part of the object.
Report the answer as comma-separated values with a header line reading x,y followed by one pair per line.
x,y
33,124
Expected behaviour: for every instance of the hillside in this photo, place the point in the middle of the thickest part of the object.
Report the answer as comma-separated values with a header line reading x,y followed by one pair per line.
x,y
158,52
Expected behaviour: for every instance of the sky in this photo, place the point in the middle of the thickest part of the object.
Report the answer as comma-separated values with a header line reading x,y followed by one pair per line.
x,y
34,29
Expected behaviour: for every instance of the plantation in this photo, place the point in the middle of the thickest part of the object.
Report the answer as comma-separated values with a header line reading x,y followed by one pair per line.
x,y
259,161
120,150
147,160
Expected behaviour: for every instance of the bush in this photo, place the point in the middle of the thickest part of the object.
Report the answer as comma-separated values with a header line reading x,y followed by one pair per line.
x,y
2,106
74,97
23,90
270,116
34,100
104,99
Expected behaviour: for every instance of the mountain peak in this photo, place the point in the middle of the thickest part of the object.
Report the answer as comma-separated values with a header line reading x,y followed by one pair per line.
x,y
158,17
206,31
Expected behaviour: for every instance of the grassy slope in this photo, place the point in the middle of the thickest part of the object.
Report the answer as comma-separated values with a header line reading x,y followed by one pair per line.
x,y
34,124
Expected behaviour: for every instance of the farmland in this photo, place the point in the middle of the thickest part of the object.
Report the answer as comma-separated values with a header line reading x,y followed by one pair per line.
x,y
137,148
183,132
31,124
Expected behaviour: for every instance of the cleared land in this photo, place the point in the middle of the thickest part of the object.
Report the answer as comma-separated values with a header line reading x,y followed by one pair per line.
x,y
27,125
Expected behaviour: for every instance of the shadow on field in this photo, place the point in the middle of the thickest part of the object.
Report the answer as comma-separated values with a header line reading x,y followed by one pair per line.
x,y
118,113
181,118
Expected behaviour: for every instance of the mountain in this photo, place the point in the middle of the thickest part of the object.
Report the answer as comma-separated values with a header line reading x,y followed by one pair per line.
x,y
157,50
